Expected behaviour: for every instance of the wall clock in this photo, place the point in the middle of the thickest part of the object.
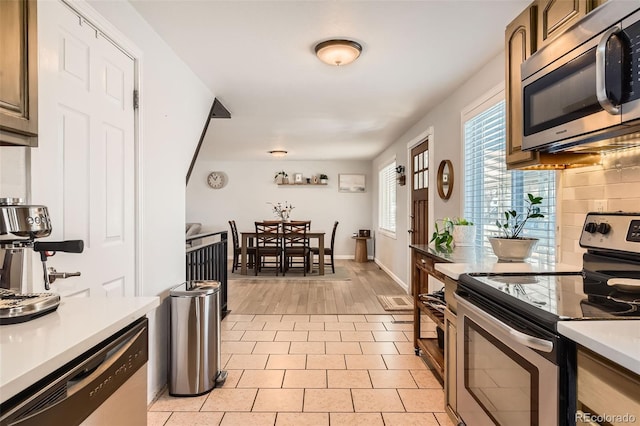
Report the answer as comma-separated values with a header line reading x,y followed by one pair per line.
x,y
216,180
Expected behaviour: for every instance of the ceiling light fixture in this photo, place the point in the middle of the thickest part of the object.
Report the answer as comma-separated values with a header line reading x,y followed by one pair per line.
x,y
278,152
338,52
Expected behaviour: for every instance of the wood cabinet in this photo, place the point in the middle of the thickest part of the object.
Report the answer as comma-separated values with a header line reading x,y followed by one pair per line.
x,y
520,43
536,25
18,73
450,365
425,341
555,16
605,389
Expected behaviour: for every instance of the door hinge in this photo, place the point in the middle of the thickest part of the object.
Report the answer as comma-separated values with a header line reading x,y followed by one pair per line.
x,y
136,99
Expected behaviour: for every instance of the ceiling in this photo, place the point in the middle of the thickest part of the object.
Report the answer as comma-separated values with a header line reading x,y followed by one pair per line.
x,y
258,58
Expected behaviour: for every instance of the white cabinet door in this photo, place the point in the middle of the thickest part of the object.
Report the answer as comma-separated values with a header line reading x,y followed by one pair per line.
x,y
84,167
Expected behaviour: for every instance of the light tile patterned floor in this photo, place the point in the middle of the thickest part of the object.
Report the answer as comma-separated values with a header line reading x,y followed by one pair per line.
x,y
316,370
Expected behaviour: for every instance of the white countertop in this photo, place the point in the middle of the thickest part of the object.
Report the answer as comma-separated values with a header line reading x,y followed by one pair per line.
x,y
31,350
454,270
617,340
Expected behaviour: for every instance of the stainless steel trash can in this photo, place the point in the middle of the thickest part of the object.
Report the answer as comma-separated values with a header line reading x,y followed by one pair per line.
x,y
194,340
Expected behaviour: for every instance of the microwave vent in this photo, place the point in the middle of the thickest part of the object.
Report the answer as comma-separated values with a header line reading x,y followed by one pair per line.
x,y
607,145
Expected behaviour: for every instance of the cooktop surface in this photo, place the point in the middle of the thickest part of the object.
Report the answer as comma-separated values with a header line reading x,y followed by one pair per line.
x,y
561,296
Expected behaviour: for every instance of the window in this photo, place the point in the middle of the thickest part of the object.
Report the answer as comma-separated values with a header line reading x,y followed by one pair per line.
x,y
490,189
387,199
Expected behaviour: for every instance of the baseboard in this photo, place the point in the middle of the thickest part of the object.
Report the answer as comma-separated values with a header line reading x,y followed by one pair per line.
x,y
393,276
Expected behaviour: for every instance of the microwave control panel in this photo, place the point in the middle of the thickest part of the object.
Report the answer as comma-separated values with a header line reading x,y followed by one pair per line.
x,y
631,77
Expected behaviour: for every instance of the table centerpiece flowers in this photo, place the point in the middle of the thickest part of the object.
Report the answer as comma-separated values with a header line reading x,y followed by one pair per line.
x,y
282,210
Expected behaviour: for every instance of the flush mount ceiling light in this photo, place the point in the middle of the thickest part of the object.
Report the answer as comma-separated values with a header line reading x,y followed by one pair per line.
x,y
338,52
278,152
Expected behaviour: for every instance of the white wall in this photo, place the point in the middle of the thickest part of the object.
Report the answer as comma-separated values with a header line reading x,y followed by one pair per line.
x,y
615,181
447,143
14,162
391,252
251,187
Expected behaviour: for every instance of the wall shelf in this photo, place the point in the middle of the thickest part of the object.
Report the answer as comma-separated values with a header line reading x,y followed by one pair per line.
x,y
302,184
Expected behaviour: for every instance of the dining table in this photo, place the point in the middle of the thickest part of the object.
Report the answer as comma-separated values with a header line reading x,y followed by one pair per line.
x,y
250,235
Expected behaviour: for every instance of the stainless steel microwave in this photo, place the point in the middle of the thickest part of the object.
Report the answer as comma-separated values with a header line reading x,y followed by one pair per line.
x,y
581,92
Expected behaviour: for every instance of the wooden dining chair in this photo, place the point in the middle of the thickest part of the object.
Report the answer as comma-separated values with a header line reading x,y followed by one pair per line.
x,y
237,249
328,251
268,245
296,245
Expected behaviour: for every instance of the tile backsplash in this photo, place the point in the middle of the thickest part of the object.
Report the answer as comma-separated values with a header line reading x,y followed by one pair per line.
x,y
13,172
615,183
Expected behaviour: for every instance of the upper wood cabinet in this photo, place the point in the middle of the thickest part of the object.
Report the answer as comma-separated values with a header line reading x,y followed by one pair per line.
x,y
536,25
18,73
520,43
555,16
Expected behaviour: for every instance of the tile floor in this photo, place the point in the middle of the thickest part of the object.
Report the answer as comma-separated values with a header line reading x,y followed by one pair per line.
x,y
315,370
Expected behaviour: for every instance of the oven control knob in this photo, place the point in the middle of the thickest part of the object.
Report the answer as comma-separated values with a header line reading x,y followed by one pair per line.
x,y
591,227
604,228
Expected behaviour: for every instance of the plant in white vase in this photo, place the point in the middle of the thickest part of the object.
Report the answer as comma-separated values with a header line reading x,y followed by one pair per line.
x,y
450,232
281,177
464,231
442,236
282,210
511,246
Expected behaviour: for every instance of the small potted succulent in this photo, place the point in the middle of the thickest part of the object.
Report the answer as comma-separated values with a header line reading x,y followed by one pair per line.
x,y
281,177
511,246
324,179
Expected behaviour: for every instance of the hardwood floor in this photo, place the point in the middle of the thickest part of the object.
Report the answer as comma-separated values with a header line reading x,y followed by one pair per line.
x,y
305,296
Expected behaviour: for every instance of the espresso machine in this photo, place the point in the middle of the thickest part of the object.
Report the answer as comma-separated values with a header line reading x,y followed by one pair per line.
x,y
20,226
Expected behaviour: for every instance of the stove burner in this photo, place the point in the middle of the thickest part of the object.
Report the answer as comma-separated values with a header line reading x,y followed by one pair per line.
x,y
616,304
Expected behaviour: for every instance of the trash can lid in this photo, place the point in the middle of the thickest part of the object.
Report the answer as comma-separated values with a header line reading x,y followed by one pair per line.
x,y
195,288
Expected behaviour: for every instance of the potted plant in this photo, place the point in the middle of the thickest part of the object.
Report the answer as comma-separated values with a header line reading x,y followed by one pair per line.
x,y
324,179
463,231
453,232
281,177
511,246
282,210
443,234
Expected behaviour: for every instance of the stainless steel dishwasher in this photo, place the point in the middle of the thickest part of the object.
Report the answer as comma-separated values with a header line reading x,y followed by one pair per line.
x,y
107,385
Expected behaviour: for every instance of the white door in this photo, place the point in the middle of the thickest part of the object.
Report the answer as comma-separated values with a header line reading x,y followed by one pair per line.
x,y
84,168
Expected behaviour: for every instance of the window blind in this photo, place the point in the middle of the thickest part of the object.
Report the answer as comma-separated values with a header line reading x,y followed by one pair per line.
x,y
490,189
387,199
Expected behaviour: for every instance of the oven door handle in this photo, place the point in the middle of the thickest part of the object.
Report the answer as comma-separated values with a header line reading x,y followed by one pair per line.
x,y
532,342
601,84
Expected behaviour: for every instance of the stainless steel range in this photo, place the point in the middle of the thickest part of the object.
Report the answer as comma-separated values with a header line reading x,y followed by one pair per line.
x,y
513,366
20,226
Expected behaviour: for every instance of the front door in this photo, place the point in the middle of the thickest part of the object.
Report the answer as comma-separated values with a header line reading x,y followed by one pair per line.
x,y
84,167
419,193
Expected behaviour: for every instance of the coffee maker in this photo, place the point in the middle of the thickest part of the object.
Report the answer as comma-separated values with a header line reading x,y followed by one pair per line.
x,y
20,226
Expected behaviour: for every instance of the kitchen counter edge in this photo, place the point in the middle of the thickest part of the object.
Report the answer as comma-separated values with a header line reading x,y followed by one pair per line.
x,y
454,270
31,350
616,340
